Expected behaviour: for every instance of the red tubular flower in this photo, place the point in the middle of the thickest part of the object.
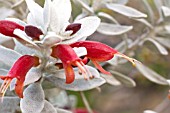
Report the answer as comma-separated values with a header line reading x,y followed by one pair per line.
x,y
99,52
7,28
73,27
69,58
18,71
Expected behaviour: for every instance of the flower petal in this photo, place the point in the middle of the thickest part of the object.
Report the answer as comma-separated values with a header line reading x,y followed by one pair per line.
x,y
33,101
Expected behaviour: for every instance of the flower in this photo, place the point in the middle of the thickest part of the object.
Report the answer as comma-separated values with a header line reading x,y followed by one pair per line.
x,y
18,71
99,52
69,58
7,27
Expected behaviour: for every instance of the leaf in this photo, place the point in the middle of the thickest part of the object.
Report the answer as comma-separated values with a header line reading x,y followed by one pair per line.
x,y
107,16
113,29
59,110
4,38
48,108
7,57
127,81
144,22
20,48
125,10
150,74
5,12
85,6
166,11
33,101
149,111
111,80
164,41
10,105
79,84
161,49
57,97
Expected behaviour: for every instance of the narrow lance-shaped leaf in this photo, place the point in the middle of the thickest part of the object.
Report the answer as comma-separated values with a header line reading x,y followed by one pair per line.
x,y
125,10
127,81
113,29
150,74
161,49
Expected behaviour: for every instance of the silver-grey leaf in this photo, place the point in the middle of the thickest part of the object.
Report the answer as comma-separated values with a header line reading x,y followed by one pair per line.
x,y
33,101
164,41
78,84
7,57
127,81
161,49
113,29
149,111
48,108
150,74
166,11
10,105
125,10
111,80
59,110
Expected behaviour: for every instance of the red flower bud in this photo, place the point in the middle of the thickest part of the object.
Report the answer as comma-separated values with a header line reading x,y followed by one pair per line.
x,y
33,32
7,28
73,27
69,58
18,71
99,52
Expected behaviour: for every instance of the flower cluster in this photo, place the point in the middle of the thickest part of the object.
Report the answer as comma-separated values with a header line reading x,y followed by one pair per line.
x,y
49,40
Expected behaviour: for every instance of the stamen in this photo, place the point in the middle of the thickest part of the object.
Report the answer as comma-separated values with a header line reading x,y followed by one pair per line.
x,y
89,73
132,60
82,69
4,87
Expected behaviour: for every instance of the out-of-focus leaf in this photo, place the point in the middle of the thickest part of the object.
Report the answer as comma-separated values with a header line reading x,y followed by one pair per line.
x,y
161,49
107,16
127,81
167,28
10,105
85,6
166,11
113,29
150,74
7,57
33,101
5,12
59,110
120,1
164,41
158,4
111,80
149,111
144,22
125,10
57,98
48,108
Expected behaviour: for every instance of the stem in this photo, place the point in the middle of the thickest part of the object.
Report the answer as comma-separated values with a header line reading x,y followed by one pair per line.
x,y
86,103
